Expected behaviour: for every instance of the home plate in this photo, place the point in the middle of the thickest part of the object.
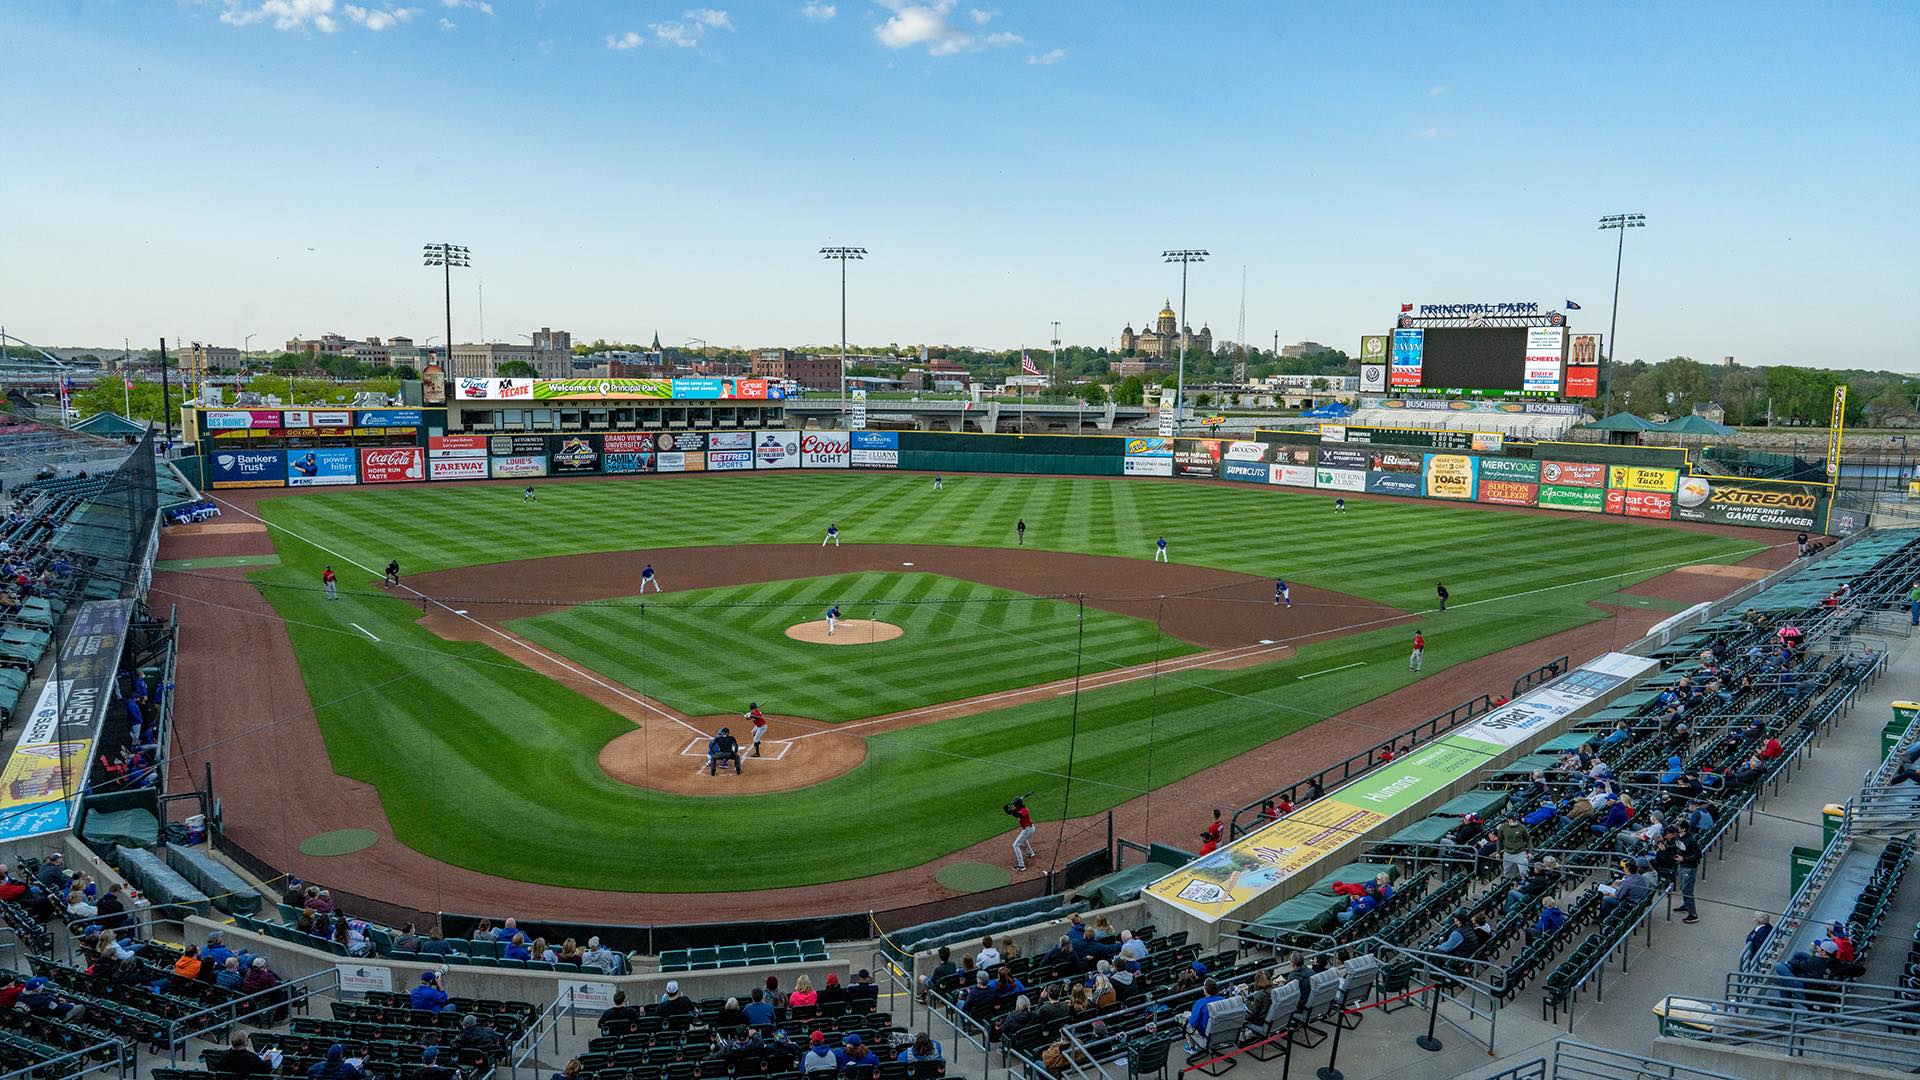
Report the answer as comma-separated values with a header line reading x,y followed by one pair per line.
x,y
463,611
906,564
1263,641
770,750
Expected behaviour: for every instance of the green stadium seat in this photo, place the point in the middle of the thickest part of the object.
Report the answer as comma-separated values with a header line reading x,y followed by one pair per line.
x,y
732,956
814,949
760,954
702,959
509,963
456,960
674,960
787,952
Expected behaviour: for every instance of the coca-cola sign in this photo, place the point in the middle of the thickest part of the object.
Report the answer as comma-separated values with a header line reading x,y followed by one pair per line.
x,y
826,450
392,464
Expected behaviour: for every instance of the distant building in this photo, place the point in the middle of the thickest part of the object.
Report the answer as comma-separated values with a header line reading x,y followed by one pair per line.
x,y
372,352
813,372
484,359
553,353
1304,348
219,356
1711,410
1163,340
325,343
1137,366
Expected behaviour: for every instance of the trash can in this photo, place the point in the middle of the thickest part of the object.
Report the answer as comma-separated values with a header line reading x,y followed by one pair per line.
x,y
1831,817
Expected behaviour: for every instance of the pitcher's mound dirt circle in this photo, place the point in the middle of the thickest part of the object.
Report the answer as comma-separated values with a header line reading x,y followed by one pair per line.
x,y
846,632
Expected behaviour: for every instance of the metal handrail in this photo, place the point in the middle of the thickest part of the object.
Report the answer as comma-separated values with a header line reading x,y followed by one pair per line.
x,y
1794,1030
287,995
546,1019
46,1068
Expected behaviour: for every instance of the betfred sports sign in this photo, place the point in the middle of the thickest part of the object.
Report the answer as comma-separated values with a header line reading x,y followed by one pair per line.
x,y
392,464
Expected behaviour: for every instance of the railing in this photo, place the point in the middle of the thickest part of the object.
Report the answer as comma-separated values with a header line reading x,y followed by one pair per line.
x,y
122,1062
1360,763
1545,673
1576,1060
1802,902
528,1045
292,996
1867,1037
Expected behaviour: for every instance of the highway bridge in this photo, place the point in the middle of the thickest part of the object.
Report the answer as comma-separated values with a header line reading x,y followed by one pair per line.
x,y
992,416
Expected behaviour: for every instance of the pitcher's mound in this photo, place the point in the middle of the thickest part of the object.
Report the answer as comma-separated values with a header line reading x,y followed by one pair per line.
x,y
846,632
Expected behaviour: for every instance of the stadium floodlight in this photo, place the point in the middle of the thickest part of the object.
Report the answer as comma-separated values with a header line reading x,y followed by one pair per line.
x,y
844,255
446,257
1185,257
1620,223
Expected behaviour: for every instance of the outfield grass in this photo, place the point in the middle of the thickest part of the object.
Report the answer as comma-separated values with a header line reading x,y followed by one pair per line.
x,y
710,651
485,764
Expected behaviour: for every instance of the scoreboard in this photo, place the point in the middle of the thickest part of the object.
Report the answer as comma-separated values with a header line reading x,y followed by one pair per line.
x,y
1498,361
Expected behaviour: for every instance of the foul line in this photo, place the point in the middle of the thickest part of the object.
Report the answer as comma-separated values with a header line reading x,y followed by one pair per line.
x,y
363,630
494,630
1324,671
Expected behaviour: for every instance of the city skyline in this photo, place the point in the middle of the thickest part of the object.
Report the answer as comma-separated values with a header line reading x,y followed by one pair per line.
x,y
223,168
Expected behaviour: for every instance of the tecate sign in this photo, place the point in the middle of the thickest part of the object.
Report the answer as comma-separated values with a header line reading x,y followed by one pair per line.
x,y
825,450
392,464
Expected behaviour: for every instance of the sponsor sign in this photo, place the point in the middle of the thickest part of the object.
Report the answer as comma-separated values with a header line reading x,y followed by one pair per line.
x,y
1836,432
1149,447
730,440
1640,478
1586,500
1333,433
1338,457
1508,492
825,450
596,997
1545,344
469,388
1396,462
1583,366
681,440
1295,454
615,463
457,468
1245,450
1449,476
520,465
39,772
776,450
392,464
1341,479
331,418
679,461
365,978
1138,465
729,460
230,421
708,389
876,449
575,454
1373,350
49,765
1521,470
1197,458
517,445
1487,442
1252,472
746,390
296,418
629,442
323,467
1409,346
572,389
1573,473
1643,504
452,446
1747,502
1373,378
859,420
1393,483
247,468
1290,475
388,418
1220,884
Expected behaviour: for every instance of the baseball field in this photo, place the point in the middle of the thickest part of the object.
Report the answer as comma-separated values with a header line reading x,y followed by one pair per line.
x,y
521,711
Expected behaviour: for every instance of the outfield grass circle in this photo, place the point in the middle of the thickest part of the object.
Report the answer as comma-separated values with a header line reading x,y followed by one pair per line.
x,y
845,632
972,876
339,842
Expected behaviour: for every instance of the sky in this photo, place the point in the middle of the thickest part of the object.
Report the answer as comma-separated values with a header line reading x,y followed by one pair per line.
x,y
210,169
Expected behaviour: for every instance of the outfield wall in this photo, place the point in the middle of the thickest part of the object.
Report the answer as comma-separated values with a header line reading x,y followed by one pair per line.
x,y
383,446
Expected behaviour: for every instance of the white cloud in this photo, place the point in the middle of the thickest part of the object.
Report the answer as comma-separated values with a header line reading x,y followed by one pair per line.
x,y
379,19
622,42
929,24
284,14
447,24
1051,56
676,34
480,6
818,12
1438,90
708,17
691,28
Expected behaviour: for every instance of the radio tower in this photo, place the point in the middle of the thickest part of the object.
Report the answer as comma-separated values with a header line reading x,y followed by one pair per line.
x,y
1240,333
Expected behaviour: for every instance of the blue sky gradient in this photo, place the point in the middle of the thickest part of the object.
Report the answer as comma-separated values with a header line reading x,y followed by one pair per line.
x,y
213,168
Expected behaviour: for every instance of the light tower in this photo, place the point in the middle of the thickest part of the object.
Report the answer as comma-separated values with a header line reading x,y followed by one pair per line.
x,y
843,254
446,257
1621,222
1185,257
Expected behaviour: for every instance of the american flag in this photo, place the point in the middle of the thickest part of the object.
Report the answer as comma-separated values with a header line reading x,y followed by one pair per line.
x,y
1028,366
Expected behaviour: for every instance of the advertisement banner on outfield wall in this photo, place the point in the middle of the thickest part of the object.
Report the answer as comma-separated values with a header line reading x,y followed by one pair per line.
x,y
1584,500
680,461
1393,483
323,467
1198,458
1397,462
1149,447
624,462
520,465
876,450
453,446
1246,450
1340,457
1252,472
1449,476
730,440
1573,474
1518,470
1508,492
1291,475
626,442
686,441
1138,465
825,450
457,468
1724,501
1340,479
247,468
516,445
729,460
1641,478
392,464
1640,504
776,450
388,418
574,455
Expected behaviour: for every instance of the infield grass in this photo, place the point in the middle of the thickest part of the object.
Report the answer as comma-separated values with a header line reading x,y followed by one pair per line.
x,y
710,651
482,763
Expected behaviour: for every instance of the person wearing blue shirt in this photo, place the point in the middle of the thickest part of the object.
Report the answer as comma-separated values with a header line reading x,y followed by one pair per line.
x,y
517,949
1551,918
1622,731
428,997
1197,1018
758,1011
852,1052
216,952
924,1048
1358,906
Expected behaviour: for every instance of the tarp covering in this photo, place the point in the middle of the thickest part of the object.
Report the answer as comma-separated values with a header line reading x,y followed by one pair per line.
x,y
229,891
1482,801
122,828
1425,831
1122,886
151,875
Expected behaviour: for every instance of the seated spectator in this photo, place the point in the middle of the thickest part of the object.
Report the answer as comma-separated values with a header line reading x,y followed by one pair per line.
x,y
621,1013
336,1067
1197,1017
431,1069
941,972
1461,940
833,991
428,996
1631,888
508,929
923,1049
517,949
779,1053
730,1015
1539,880
477,1033
238,1059
261,977
757,1010
674,1004
229,977
600,957
39,999
1126,981
1756,937
863,994
433,944
819,1056
803,993
1359,906
854,1053
988,957
1551,918
186,970
1752,772
980,997
543,952
408,940
569,953
1132,948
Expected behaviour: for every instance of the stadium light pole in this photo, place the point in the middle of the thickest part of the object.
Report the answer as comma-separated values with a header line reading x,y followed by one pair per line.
x,y
1621,223
446,257
1185,257
843,254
